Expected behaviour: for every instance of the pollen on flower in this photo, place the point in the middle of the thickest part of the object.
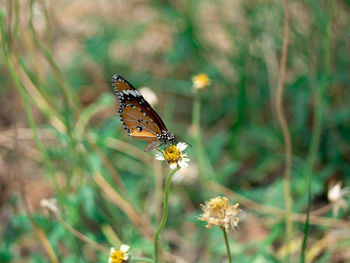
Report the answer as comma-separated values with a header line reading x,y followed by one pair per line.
x,y
218,212
200,81
119,256
174,156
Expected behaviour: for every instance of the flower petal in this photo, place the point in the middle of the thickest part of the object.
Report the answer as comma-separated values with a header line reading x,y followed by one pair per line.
x,y
124,248
173,166
183,164
181,146
160,157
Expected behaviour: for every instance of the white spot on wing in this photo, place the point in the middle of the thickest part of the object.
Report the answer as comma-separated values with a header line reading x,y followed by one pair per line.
x,y
133,93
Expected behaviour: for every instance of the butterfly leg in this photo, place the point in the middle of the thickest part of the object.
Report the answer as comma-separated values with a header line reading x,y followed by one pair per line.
x,y
158,147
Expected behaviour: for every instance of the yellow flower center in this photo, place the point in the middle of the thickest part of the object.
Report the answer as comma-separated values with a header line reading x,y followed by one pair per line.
x,y
218,212
201,81
116,257
217,203
172,154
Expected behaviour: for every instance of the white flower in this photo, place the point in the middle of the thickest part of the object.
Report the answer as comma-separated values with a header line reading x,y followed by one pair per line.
x,y
218,212
336,196
125,249
50,205
174,156
119,256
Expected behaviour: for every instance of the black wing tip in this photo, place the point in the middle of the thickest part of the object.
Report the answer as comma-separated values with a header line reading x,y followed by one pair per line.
x,y
117,77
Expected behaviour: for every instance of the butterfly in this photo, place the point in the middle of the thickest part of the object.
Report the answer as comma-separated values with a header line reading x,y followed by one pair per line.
x,y
138,117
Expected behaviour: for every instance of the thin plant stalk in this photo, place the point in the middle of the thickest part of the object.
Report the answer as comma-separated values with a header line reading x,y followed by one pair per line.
x,y
15,71
79,235
68,95
317,128
165,213
227,245
196,125
41,235
136,218
203,159
133,259
14,75
284,126
37,76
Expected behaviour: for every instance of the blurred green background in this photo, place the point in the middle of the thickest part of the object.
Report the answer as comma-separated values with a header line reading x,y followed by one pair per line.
x,y
61,137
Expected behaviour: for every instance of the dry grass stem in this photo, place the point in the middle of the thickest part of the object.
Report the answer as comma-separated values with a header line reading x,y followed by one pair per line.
x,y
128,149
80,235
142,222
284,124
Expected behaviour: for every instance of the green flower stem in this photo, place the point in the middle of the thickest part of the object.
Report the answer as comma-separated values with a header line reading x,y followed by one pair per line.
x,y
318,116
203,159
165,213
227,245
142,260
196,125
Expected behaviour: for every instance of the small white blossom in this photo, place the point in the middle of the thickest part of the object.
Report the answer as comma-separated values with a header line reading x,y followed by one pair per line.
x,y
336,196
50,205
174,156
119,256
218,212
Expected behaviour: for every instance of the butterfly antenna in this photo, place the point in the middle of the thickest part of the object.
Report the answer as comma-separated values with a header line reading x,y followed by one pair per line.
x,y
178,137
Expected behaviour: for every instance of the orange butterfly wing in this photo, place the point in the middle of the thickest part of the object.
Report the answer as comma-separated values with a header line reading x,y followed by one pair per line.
x,y
128,94
138,117
138,124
